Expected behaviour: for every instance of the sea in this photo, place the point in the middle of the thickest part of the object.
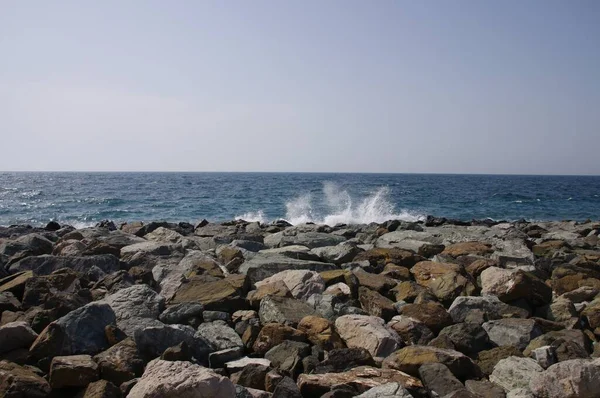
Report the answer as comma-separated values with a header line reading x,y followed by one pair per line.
x,y
83,199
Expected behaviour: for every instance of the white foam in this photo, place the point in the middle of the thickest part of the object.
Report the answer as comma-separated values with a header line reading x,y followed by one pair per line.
x,y
253,216
340,208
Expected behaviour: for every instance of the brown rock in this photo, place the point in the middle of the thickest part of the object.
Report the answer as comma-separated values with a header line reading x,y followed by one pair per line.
x,y
375,304
121,362
359,379
273,334
548,248
433,315
467,248
321,332
226,294
382,256
101,389
591,314
277,288
407,291
15,283
427,271
410,358
488,359
397,272
18,381
73,371
376,282
478,266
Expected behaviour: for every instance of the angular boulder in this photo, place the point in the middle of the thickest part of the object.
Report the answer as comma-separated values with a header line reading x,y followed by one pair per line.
x,y
368,332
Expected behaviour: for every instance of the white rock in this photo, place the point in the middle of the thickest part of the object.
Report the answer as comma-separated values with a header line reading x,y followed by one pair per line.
x,y
514,372
181,379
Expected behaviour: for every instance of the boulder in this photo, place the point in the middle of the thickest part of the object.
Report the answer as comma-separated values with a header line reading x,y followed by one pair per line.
x,y
287,357
379,257
286,388
512,331
449,286
263,266
73,371
278,288
339,254
283,310
376,282
490,305
310,239
27,245
433,315
320,332
515,372
555,338
375,304
16,335
81,331
226,294
344,359
468,248
154,340
100,389
182,313
358,380
468,338
166,379
513,284
484,389
388,390
487,360
133,303
368,332
301,283
410,358
219,335
47,264
576,378
121,362
438,380
251,376
411,330
273,334
19,381
426,272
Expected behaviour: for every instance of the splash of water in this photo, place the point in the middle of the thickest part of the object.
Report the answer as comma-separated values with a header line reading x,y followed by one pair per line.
x,y
339,208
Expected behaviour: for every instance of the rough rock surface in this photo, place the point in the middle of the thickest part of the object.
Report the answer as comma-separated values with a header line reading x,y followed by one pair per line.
x,y
368,332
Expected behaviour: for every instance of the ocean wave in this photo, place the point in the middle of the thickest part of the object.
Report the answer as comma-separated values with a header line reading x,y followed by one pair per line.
x,y
340,207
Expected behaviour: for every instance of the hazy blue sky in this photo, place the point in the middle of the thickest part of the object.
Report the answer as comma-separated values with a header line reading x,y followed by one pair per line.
x,y
374,86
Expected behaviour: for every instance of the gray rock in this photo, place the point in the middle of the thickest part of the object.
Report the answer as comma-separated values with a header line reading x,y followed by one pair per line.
x,y
339,254
263,266
410,330
31,244
514,372
438,379
520,393
287,357
153,341
512,331
81,331
218,359
47,264
576,378
388,390
239,364
310,239
301,283
467,338
485,389
179,379
182,313
150,247
490,305
133,303
283,310
545,356
219,336
296,252
16,335
368,332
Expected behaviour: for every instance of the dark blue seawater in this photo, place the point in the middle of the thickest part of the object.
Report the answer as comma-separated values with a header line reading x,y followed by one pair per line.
x,y
86,198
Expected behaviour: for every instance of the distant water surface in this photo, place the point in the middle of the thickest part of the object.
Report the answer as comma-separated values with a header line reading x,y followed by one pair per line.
x,y
85,198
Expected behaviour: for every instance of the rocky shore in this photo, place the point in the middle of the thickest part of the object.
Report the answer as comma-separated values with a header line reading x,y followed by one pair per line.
x,y
430,309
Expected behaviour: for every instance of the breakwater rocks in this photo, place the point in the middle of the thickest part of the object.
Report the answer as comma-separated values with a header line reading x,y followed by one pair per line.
x,y
238,309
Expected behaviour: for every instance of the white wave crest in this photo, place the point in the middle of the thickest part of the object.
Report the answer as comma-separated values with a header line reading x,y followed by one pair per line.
x,y
253,216
339,208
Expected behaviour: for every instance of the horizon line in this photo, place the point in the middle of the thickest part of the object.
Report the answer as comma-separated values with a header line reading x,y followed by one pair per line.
x,y
290,172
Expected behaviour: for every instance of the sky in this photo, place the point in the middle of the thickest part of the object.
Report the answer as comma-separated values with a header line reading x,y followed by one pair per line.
x,y
466,86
